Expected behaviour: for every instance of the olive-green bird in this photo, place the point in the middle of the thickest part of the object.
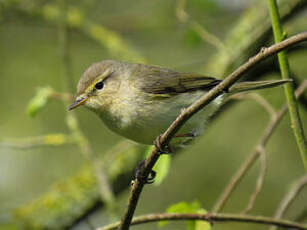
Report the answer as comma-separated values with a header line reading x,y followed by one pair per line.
x,y
140,101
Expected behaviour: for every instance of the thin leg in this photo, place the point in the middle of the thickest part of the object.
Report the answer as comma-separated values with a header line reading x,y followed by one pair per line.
x,y
185,135
162,149
140,177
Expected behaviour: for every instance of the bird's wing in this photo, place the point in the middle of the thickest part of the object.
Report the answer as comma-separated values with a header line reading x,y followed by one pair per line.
x,y
164,82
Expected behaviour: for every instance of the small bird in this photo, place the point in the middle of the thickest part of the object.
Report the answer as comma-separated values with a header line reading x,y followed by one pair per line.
x,y
140,101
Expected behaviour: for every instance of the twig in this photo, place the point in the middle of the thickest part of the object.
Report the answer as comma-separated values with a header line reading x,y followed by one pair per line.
x,y
289,198
248,163
257,98
210,217
164,139
296,122
205,35
58,139
72,121
260,180
67,97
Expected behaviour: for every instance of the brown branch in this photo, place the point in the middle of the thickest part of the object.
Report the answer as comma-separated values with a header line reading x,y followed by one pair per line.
x,y
257,98
248,163
259,183
289,198
210,217
164,139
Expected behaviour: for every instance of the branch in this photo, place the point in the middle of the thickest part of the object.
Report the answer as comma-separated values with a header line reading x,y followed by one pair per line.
x,y
165,138
296,123
72,121
289,198
251,32
248,163
53,140
69,201
205,35
210,217
257,98
259,183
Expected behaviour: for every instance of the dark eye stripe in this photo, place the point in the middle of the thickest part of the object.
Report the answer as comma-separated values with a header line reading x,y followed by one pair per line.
x,y
99,85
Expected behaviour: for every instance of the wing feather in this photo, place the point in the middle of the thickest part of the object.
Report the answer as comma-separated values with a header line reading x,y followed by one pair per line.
x,y
157,80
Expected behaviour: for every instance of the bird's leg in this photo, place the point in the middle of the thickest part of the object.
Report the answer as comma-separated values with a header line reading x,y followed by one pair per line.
x,y
140,177
185,135
162,149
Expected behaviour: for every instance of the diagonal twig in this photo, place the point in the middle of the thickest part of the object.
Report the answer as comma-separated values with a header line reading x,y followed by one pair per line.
x,y
205,35
257,98
71,119
165,138
260,180
289,198
248,163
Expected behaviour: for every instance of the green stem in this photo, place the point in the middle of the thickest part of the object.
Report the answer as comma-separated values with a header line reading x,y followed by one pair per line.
x,y
296,122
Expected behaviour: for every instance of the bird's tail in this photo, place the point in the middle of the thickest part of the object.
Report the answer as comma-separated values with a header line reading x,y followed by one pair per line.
x,y
254,85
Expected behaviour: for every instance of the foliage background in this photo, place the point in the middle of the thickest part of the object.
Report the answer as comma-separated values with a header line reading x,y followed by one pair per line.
x,y
30,57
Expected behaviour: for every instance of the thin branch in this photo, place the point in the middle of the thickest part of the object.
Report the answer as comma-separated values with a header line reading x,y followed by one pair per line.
x,y
296,122
248,163
66,97
72,121
289,198
205,35
259,183
212,218
257,98
165,138
53,140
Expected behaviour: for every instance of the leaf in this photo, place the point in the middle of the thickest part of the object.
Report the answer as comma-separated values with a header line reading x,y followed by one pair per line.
x,y
162,168
39,101
200,224
183,207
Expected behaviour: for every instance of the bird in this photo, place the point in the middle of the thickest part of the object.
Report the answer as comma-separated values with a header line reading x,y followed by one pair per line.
x,y
139,101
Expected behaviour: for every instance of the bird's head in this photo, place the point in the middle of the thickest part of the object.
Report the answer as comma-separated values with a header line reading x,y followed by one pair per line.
x,y
99,85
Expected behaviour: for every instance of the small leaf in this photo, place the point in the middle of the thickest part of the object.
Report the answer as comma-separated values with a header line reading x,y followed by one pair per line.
x,y
162,168
39,101
183,207
200,224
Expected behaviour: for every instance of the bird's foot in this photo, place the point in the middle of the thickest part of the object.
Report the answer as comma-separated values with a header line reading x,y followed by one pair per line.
x,y
162,149
138,174
192,135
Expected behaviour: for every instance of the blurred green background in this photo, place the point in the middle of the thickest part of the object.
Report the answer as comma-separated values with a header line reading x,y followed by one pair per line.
x,y
30,58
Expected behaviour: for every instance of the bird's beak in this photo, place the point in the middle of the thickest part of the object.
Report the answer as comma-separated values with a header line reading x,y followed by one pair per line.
x,y
79,101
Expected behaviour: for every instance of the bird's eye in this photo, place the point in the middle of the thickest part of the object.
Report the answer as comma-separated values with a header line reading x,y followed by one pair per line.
x,y
99,85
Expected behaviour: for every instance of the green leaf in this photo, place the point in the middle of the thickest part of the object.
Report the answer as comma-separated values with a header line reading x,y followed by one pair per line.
x,y
39,101
183,207
200,224
162,168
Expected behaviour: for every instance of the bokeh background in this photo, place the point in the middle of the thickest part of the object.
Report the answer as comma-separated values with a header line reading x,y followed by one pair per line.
x,y
148,31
